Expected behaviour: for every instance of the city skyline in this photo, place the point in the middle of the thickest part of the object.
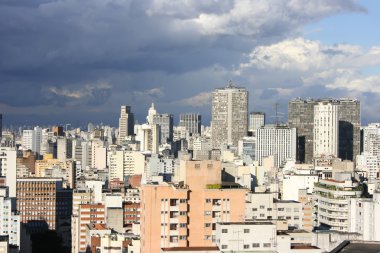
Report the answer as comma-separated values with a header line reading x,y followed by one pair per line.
x,y
96,56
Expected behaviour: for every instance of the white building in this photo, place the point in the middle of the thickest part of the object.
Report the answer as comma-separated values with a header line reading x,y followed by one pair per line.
x,y
9,221
278,141
292,183
27,139
256,120
333,200
365,217
369,164
125,163
246,236
326,127
8,168
371,139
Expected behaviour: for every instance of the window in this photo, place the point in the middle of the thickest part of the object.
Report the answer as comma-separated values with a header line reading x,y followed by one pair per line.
x,y
262,215
182,213
224,231
266,245
207,225
255,245
182,225
208,200
207,212
262,207
280,209
246,246
182,237
197,166
254,209
207,237
224,246
296,218
246,231
182,201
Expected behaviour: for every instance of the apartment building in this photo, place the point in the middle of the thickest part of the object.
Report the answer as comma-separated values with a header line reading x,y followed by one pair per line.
x,y
185,215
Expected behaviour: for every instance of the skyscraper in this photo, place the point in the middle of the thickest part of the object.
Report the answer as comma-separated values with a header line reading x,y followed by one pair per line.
x,y
256,120
229,115
325,129
301,116
276,140
165,122
126,123
191,121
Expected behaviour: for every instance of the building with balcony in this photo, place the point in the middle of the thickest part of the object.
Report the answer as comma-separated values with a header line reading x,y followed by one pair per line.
x,y
186,214
333,201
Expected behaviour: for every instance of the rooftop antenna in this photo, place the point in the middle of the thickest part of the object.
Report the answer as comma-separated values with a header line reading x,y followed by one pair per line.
x,y
277,115
230,84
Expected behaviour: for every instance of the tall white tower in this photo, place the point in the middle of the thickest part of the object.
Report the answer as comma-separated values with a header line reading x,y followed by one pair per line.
x,y
229,115
326,127
126,123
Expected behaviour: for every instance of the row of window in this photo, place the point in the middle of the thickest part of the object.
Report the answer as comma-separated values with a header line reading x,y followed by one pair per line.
x,y
254,245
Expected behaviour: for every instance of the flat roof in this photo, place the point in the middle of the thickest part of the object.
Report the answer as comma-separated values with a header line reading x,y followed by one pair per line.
x,y
190,249
247,223
358,247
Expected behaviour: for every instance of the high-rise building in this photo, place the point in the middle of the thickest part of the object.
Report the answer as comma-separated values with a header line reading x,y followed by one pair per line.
x,y
126,123
165,122
43,203
301,116
371,139
229,115
186,216
191,121
325,129
27,139
9,219
8,168
256,120
276,140
151,112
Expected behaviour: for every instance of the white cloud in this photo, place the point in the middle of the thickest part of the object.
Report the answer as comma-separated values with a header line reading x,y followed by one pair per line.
x,y
199,100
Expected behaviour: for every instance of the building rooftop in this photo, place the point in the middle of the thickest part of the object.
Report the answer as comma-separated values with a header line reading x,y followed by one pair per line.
x,y
247,223
357,247
191,249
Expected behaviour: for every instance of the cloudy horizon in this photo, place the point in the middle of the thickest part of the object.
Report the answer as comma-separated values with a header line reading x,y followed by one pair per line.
x,y
75,62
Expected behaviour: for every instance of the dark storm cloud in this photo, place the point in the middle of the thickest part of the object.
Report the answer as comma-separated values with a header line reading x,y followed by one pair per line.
x,y
52,50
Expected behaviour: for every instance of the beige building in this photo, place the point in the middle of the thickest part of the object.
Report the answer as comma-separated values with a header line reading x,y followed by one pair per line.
x,y
185,215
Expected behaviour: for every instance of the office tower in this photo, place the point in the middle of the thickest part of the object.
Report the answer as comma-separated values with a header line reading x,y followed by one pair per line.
x,y
165,122
62,149
191,121
151,112
186,216
229,115
371,139
278,141
301,116
8,168
44,146
43,203
256,120
27,139
369,164
325,129
126,124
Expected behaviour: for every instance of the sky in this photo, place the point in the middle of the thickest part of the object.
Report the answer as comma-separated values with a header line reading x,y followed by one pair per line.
x,y
70,61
